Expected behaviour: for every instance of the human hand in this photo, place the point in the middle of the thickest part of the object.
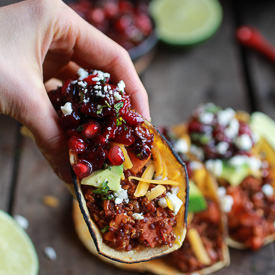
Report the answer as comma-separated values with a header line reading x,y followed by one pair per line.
x,y
41,39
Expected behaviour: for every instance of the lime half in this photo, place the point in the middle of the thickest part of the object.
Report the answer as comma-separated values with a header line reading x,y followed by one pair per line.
x,y
264,126
17,254
186,22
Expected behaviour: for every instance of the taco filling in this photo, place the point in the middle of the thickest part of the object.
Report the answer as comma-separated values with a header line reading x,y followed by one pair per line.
x,y
223,139
204,245
131,196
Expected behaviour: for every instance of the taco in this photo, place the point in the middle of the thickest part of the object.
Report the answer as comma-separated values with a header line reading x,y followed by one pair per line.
x,y
204,249
244,165
122,168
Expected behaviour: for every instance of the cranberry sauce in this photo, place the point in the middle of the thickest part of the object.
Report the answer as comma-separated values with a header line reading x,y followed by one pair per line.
x,y
96,114
126,22
218,134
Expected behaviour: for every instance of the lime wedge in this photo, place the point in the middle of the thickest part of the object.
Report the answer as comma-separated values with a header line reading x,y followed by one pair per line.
x,y
186,22
17,254
264,126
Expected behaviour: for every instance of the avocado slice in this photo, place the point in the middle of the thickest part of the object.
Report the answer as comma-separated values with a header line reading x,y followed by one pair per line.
x,y
197,201
112,175
235,175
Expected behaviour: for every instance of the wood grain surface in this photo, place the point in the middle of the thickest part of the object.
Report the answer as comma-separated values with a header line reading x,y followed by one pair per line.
x,y
177,81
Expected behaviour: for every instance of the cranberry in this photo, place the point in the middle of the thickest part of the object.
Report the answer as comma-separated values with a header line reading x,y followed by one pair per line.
x,y
70,121
219,134
123,23
96,16
244,129
96,156
91,129
89,110
116,156
110,9
195,126
76,144
143,22
82,169
125,7
133,118
66,87
56,98
124,135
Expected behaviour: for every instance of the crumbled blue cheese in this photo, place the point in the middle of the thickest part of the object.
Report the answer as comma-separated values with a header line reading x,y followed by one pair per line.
x,y
195,165
267,190
173,198
227,203
222,147
206,118
254,163
238,160
117,96
221,191
50,253
244,142
162,202
225,116
121,195
82,74
67,109
21,221
138,216
233,129
215,166
82,84
197,152
121,86
181,146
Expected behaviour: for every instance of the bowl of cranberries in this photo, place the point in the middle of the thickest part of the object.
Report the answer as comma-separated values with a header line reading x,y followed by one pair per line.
x,y
126,22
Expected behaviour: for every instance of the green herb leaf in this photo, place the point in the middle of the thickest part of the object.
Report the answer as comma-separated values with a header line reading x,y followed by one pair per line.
x,y
99,109
105,229
103,190
119,121
107,103
118,106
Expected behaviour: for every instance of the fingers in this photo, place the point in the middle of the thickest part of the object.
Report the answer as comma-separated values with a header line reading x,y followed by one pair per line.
x,y
95,50
41,119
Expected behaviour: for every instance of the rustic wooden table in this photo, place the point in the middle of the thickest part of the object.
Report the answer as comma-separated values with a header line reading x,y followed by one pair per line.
x,y
177,81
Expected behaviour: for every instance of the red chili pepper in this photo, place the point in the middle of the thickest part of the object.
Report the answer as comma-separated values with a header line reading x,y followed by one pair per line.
x,y
252,38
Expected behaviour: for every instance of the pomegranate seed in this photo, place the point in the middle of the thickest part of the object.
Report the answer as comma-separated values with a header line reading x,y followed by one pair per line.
x,y
82,168
143,22
125,7
96,16
76,144
110,9
116,156
70,121
123,23
91,129
124,136
195,126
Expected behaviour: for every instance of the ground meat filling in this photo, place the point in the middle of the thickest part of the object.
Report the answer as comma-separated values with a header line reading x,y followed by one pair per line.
x,y
207,223
121,229
252,216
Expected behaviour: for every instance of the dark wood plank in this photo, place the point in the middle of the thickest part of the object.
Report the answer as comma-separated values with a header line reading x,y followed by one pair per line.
x,y
7,143
261,15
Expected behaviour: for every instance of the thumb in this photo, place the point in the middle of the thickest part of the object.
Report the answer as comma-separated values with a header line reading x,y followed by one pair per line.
x,y
42,120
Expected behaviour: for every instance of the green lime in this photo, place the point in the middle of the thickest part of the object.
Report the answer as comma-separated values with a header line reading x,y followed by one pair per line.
x,y
264,126
17,253
186,22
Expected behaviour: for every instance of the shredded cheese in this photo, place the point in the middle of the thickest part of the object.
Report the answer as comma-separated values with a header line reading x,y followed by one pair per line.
x,y
164,182
143,186
157,161
169,204
127,164
198,247
155,192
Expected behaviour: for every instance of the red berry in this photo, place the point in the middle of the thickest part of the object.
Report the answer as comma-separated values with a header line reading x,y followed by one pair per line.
x,y
143,22
123,23
76,144
111,9
195,126
97,16
125,7
82,169
116,156
91,129
133,118
124,135
244,129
